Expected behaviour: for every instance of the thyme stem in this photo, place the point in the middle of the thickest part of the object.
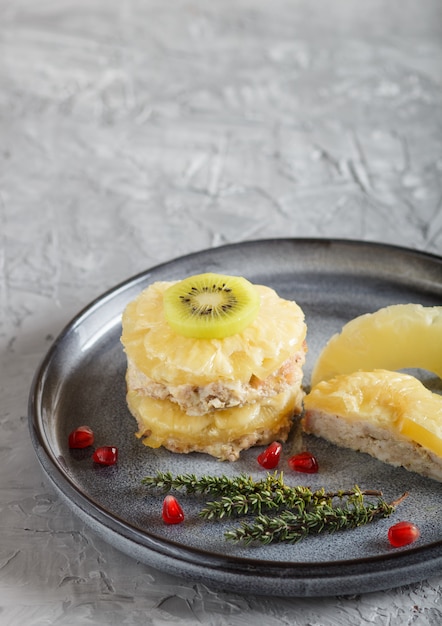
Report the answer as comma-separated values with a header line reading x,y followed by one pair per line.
x,y
291,527
292,498
272,487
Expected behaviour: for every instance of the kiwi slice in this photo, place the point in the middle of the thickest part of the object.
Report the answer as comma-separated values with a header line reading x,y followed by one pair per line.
x,y
211,306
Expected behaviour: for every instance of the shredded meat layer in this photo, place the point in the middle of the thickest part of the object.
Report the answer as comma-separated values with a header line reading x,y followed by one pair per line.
x,y
199,400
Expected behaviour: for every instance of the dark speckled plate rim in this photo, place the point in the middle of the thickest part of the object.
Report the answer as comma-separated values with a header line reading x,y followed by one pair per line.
x,y
403,562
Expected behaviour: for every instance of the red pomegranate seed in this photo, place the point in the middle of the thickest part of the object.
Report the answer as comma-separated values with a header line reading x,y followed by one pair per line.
x,y
106,455
172,511
402,534
81,437
304,462
271,455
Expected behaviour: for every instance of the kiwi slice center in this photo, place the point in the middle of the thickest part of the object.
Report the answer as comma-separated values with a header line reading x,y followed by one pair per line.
x,y
211,306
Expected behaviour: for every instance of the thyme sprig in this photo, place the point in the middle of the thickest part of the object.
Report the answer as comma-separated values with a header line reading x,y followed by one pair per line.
x,y
191,484
278,497
240,484
291,527
297,511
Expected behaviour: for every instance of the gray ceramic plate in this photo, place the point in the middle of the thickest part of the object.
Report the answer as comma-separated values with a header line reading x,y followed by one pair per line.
x,y
81,381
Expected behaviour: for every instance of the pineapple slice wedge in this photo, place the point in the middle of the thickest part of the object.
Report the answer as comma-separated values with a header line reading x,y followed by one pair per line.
x,y
395,337
390,415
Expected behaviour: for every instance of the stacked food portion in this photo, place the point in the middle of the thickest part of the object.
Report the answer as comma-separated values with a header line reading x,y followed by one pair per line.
x,y
215,364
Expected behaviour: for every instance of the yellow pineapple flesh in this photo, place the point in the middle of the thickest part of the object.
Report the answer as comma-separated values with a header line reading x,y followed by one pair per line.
x,y
396,337
393,401
260,349
163,423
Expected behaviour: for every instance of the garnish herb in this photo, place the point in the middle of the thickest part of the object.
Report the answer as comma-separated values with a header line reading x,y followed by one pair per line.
x,y
296,511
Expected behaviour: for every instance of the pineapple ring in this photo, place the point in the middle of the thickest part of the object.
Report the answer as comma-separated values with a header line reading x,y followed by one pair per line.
x,y
395,337
221,433
277,332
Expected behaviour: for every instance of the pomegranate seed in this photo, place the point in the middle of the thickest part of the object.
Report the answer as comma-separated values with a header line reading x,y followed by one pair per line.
x,y
172,511
106,455
402,534
304,462
81,437
271,455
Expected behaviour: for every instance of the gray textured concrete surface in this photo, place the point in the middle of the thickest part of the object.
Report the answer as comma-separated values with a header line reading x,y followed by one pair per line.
x,y
133,132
